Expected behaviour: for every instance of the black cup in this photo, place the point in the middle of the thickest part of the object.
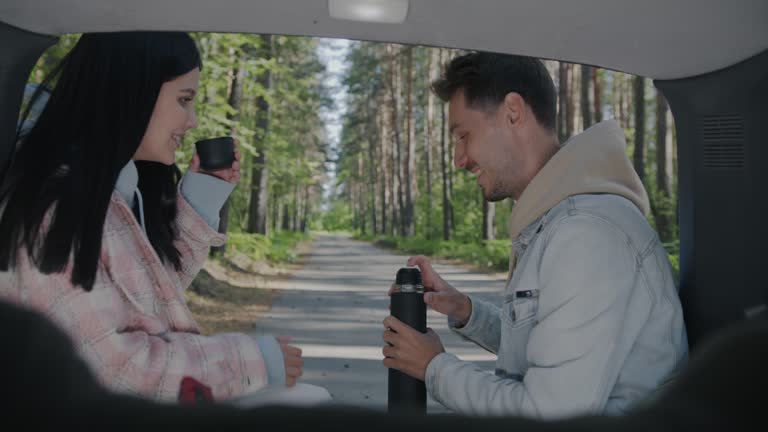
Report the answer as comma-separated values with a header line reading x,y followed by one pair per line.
x,y
216,153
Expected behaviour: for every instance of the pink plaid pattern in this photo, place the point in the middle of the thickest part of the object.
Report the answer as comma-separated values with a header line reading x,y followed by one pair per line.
x,y
134,328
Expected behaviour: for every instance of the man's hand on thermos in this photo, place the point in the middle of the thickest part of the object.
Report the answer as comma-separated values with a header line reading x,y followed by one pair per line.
x,y
439,294
409,350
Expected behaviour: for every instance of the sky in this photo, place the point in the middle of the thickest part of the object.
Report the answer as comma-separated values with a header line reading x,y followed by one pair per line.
x,y
332,53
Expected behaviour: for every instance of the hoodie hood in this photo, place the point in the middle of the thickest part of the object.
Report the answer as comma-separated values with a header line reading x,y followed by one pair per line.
x,y
593,162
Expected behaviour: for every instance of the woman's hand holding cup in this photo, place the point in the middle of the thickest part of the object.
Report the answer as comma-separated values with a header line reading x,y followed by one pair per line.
x,y
218,157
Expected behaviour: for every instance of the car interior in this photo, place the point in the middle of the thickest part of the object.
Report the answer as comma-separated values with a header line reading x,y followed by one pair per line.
x,y
709,58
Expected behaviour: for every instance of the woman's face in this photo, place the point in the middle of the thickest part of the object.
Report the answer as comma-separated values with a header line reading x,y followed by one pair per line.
x,y
173,115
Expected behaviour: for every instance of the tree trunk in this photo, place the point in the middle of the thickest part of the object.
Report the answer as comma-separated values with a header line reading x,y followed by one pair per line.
x,y
626,93
597,87
409,164
257,221
210,93
639,153
286,225
447,207
369,179
278,205
394,89
295,209
562,118
586,106
233,99
672,139
401,161
428,131
305,212
618,95
570,108
489,223
386,190
360,188
372,183
663,184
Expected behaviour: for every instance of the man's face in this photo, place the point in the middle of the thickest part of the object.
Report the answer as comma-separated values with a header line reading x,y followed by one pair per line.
x,y
485,146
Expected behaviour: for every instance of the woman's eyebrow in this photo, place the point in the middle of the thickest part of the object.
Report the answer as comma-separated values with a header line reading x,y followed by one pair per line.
x,y
191,91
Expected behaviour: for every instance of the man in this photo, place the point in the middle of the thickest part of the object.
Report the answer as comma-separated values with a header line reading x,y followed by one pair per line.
x,y
591,320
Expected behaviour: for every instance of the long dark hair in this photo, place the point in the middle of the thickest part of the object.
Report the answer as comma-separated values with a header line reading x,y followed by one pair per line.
x,y
90,128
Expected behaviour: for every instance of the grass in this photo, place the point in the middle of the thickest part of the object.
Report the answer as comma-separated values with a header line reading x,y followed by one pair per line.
x,y
232,292
490,255
220,307
277,248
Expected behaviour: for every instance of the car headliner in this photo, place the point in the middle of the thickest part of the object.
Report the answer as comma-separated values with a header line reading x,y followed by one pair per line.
x,y
658,39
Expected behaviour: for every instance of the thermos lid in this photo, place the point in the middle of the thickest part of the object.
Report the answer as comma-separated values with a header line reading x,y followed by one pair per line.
x,y
408,276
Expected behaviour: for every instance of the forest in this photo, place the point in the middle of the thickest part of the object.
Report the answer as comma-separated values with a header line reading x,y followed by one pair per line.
x,y
387,175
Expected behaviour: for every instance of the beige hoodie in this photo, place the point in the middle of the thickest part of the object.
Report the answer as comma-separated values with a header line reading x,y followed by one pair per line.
x,y
594,161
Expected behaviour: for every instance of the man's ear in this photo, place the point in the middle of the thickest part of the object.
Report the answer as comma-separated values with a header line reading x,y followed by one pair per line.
x,y
514,108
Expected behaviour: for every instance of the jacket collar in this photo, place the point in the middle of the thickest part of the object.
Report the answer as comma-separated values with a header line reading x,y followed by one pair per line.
x,y
128,182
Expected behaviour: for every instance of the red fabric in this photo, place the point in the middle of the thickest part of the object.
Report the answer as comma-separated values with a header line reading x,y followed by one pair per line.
x,y
193,392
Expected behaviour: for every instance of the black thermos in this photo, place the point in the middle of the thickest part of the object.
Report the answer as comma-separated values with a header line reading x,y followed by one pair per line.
x,y
407,394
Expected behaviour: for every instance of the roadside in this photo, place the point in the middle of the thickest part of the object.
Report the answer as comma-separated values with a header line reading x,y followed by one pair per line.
x,y
231,293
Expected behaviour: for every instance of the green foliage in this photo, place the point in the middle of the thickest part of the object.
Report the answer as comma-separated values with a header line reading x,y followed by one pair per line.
x,y
278,247
673,249
492,254
338,218
294,144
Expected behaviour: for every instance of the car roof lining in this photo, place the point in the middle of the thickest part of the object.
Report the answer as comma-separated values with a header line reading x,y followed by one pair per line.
x,y
653,38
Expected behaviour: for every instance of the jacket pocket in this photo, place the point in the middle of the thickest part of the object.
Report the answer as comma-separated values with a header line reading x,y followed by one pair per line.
x,y
518,316
520,307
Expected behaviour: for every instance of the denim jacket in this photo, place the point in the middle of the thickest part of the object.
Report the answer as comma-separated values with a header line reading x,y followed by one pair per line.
x,y
589,323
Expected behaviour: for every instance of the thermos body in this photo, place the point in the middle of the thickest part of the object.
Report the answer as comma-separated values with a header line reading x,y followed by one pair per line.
x,y
405,393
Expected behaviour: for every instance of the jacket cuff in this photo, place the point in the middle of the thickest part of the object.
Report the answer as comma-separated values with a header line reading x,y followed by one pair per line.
x,y
434,374
274,362
477,324
206,194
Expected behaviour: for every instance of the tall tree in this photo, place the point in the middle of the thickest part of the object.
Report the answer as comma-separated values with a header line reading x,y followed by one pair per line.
x,y
562,118
586,107
597,87
398,210
257,221
372,168
361,201
428,135
409,164
388,203
570,104
305,210
233,115
639,142
664,213
444,155
489,225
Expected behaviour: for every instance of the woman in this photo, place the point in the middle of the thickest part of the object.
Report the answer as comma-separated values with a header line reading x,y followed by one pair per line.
x,y
99,232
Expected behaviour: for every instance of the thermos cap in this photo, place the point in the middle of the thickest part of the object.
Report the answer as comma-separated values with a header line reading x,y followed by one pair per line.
x,y
409,279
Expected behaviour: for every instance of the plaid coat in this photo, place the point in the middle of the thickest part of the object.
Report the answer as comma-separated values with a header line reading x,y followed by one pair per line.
x,y
134,328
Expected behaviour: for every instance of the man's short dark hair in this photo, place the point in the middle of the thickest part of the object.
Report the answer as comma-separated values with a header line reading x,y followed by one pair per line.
x,y
486,78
